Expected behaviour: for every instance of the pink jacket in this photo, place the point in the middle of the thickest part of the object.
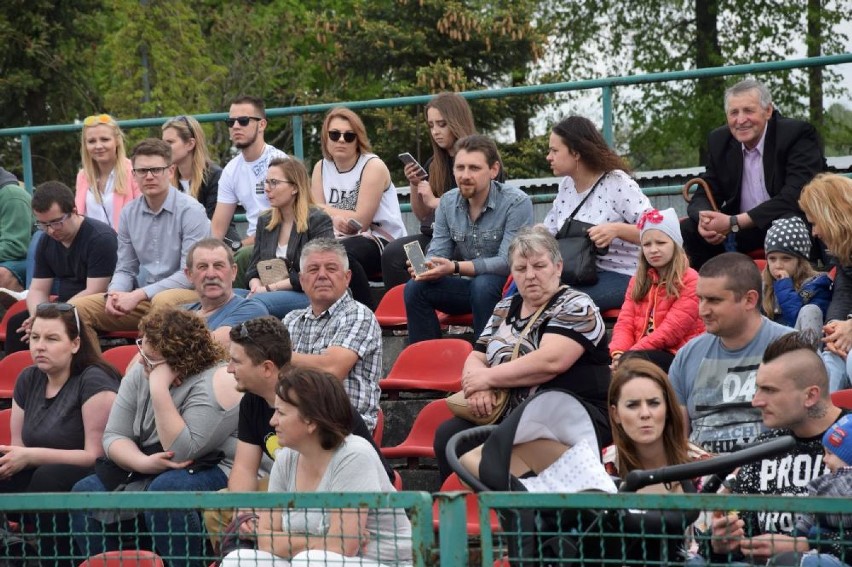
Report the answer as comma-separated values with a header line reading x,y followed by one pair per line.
x,y
118,201
676,320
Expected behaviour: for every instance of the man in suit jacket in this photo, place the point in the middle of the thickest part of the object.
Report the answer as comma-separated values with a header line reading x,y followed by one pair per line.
x,y
756,169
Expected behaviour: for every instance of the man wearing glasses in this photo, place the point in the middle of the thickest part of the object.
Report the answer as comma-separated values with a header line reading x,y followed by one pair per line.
x,y
242,179
75,258
15,230
155,233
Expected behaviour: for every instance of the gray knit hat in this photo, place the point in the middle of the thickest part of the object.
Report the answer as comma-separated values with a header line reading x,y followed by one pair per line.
x,y
789,236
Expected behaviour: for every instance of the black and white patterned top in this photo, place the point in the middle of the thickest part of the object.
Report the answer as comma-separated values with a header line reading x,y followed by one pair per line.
x,y
617,198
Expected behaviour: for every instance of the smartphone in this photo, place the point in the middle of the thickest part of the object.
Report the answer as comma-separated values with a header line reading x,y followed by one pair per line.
x,y
355,224
416,257
407,158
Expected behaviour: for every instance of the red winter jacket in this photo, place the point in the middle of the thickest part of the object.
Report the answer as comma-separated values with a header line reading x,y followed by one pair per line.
x,y
675,319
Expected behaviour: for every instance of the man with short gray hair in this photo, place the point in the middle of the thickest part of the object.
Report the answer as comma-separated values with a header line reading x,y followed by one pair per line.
x,y
756,168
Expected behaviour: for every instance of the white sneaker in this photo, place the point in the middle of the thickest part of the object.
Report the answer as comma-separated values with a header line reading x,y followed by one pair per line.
x,y
9,297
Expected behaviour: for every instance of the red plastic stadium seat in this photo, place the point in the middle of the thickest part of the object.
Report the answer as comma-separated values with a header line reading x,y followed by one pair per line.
x,y
14,309
463,320
379,431
391,309
124,558
760,263
10,368
121,357
611,314
128,335
420,440
6,426
453,484
428,365
842,398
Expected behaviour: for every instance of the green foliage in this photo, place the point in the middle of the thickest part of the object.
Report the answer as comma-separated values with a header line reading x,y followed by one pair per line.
x,y
837,135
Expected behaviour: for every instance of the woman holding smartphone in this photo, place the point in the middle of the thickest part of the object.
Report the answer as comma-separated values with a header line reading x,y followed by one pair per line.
x,y
354,186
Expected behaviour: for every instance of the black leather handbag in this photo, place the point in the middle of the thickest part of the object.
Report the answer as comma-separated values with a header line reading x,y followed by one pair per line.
x,y
579,253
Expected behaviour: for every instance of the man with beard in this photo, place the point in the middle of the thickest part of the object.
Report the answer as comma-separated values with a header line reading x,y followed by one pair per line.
x,y
211,269
155,233
242,179
468,257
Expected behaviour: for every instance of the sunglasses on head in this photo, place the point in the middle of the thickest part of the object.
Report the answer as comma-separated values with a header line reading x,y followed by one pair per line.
x,y
44,308
185,120
241,120
348,137
97,119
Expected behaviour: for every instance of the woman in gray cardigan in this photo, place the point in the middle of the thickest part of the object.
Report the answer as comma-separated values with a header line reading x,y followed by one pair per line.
x,y
172,428
282,232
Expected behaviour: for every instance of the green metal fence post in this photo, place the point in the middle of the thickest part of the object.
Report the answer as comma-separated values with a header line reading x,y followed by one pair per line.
x,y
452,523
607,114
298,143
27,158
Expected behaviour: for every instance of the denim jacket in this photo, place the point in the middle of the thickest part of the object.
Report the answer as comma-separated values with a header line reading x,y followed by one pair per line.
x,y
485,241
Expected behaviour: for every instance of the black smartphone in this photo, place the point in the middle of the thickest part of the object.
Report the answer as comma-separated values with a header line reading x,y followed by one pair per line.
x,y
407,158
415,255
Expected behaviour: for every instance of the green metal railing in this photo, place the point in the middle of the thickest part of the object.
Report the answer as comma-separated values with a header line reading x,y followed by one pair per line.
x,y
296,113
587,519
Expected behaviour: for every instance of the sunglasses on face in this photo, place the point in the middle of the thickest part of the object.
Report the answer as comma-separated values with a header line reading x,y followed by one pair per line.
x,y
348,137
44,308
54,224
241,120
149,364
96,119
144,171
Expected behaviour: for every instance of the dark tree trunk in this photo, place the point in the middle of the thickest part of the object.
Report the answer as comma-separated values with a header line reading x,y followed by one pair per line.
x,y
521,107
814,43
709,91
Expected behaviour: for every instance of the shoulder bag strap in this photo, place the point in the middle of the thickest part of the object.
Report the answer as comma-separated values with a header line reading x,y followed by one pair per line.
x,y
583,202
532,320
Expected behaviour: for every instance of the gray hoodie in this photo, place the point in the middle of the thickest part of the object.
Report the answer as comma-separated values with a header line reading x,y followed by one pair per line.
x,y
7,178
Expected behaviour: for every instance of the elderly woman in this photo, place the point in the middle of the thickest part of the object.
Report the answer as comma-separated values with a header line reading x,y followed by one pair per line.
x,y
313,422
560,337
172,428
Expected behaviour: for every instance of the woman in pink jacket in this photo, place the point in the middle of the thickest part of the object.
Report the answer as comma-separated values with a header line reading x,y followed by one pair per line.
x,y
660,311
105,184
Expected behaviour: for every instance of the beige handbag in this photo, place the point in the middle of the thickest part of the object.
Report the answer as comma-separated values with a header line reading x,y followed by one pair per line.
x,y
458,403
272,271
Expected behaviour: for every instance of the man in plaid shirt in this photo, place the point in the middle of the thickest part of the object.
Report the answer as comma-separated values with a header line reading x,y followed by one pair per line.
x,y
336,333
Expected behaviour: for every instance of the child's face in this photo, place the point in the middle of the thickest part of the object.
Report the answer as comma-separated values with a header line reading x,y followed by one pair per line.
x,y
781,265
657,247
832,461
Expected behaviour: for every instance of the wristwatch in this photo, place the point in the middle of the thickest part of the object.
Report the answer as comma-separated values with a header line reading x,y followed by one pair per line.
x,y
735,226
456,268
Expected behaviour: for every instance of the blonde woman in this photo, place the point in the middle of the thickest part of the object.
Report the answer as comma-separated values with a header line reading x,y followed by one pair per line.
x,y
195,173
105,184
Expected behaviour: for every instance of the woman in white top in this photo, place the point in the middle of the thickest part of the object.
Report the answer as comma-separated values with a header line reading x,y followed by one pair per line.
x,y
354,186
313,423
579,152
105,184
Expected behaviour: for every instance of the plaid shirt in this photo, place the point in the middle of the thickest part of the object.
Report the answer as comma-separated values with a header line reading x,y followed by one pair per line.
x,y
353,326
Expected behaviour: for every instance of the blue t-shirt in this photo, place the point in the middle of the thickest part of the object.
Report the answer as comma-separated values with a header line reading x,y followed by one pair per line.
x,y
237,310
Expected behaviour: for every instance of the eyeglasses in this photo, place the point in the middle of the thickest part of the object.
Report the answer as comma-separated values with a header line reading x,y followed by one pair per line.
x,y
149,364
274,183
348,137
54,224
144,171
241,120
44,308
96,119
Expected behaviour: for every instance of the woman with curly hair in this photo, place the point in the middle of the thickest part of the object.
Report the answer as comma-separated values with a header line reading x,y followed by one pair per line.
x,y
172,428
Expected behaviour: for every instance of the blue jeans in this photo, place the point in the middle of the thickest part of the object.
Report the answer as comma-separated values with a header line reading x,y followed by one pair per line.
x,y
452,295
839,371
609,292
279,303
822,560
177,534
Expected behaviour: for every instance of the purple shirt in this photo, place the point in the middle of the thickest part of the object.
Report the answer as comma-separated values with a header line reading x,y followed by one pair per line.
x,y
753,191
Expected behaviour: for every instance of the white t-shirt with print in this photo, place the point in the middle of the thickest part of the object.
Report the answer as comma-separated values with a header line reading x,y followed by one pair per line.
x,y
242,183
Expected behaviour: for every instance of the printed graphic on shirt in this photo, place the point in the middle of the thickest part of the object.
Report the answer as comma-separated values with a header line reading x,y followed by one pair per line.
x,y
270,443
720,406
345,200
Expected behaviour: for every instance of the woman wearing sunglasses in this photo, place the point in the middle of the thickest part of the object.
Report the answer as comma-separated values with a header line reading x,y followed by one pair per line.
x,y
172,428
60,406
195,173
282,232
354,186
105,184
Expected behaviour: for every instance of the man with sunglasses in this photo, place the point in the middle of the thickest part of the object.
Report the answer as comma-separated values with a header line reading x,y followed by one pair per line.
x,y
75,257
242,179
259,349
155,233
15,230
